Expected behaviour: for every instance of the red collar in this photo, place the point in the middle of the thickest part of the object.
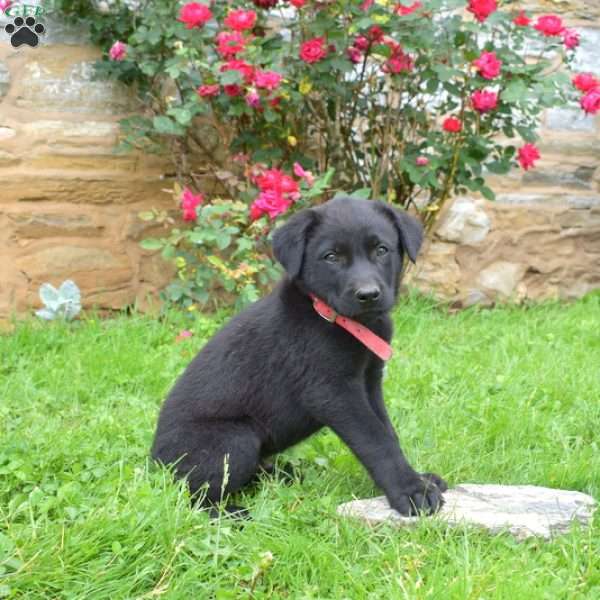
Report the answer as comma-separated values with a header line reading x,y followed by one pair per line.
x,y
373,342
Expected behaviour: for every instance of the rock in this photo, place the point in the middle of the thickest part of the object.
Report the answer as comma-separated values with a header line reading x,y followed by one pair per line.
x,y
465,222
569,119
521,510
57,84
501,276
42,225
4,80
7,132
586,57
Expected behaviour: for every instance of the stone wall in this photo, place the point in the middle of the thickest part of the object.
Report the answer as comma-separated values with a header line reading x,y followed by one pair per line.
x,y
68,203
541,237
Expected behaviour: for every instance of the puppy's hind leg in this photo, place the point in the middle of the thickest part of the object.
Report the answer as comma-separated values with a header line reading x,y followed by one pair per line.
x,y
223,454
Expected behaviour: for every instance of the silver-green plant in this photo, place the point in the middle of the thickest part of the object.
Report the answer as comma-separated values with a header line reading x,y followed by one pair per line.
x,y
62,303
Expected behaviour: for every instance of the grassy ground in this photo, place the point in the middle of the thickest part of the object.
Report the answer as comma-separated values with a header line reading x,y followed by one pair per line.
x,y
509,395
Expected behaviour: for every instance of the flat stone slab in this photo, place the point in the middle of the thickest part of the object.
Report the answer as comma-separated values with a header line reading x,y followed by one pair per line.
x,y
521,510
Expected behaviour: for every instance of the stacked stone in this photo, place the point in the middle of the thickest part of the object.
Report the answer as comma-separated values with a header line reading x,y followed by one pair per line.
x,y
541,238
68,202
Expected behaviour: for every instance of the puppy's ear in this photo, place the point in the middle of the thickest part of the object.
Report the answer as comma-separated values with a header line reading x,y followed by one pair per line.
x,y
409,229
289,241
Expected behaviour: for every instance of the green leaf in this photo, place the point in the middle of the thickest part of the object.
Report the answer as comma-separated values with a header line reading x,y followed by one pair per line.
x,y
166,126
516,91
151,244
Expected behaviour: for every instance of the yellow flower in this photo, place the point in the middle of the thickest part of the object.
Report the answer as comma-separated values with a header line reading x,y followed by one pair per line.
x,y
292,141
192,307
305,87
381,19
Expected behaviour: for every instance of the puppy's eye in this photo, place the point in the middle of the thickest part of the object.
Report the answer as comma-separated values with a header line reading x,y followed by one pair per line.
x,y
381,250
331,257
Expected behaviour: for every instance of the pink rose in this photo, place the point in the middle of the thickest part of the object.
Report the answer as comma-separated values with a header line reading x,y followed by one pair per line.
x,y
362,43
268,80
230,43
482,9
591,101
366,5
306,175
354,54
208,90
527,156
252,98
118,51
585,82
549,25
4,4
452,125
189,202
570,38
194,14
422,161
488,65
240,20
521,20
484,101
269,202
313,51
244,68
183,335
402,10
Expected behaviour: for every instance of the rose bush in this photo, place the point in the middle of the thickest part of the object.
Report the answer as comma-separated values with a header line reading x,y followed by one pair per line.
x,y
285,103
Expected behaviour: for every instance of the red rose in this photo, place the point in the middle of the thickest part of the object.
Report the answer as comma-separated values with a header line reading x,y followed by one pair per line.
x,y
194,14
265,3
484,101
230,43
570,38
482,9
585,82
407,10
244,68
549,25
313,51
452,125
298,3
399,63
376,33
528,154
269,80
240,20
521,20
189,202
208,90
274,179
232,90
366,5
591,101
488,65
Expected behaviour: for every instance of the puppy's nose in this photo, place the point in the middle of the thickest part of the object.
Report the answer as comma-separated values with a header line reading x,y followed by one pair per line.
x,y
368,293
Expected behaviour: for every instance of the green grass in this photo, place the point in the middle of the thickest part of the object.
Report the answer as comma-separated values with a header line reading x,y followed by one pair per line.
x,y
508,395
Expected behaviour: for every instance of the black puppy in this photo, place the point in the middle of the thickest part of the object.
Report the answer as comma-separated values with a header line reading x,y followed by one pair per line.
x,y
278,372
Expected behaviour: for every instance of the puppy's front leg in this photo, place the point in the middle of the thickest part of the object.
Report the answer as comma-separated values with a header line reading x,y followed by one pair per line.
x,y
349,413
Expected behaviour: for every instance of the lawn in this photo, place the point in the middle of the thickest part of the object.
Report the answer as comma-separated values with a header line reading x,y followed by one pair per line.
x,y
509,395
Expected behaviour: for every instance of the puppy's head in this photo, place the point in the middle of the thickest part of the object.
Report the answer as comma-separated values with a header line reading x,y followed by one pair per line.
x,y
349,252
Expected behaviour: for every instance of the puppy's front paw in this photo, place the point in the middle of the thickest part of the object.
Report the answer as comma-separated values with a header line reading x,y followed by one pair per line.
x,y
441,483
420,495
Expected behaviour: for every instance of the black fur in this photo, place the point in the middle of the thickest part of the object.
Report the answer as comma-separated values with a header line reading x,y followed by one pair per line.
x,y
278,372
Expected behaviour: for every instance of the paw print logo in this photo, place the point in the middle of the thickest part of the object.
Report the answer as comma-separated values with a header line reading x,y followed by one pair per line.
x,y
24,31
